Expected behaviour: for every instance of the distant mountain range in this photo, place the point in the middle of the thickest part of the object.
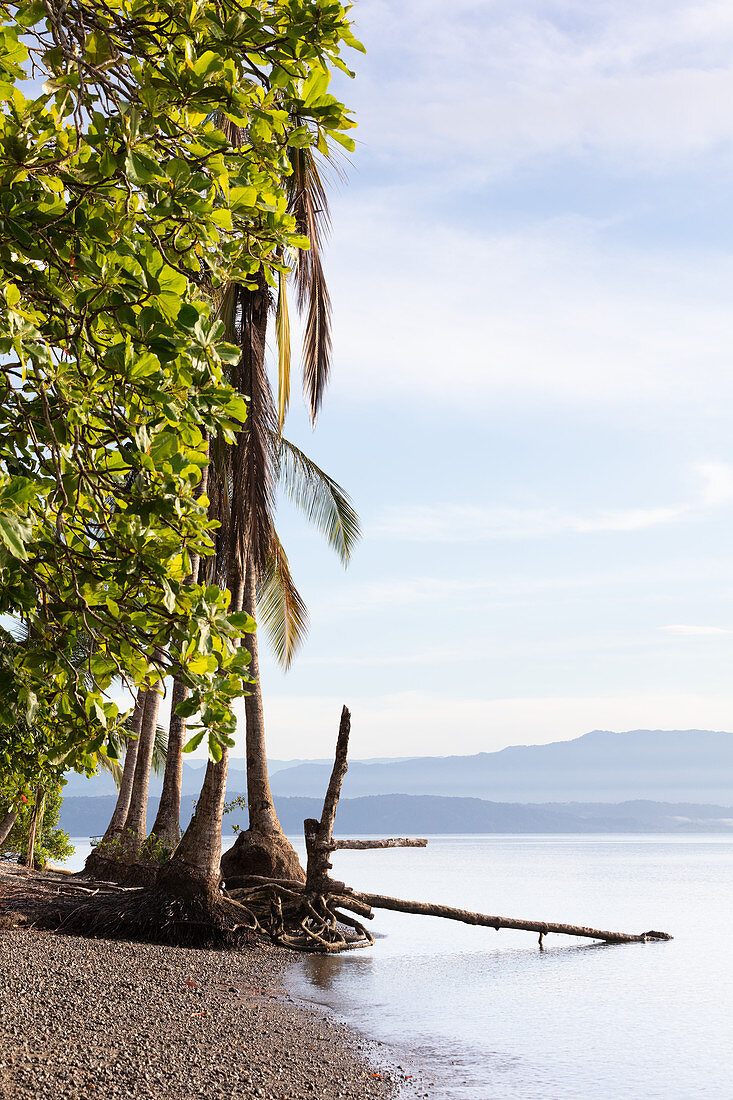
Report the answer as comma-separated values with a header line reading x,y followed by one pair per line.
x,y
658,765
421,815
679,769
193,774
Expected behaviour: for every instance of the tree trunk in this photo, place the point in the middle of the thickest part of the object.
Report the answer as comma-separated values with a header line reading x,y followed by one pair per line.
x,y
119,817
263,848
35,828
194,867
167,829
6,824
167,826
262,816
99,857
135,825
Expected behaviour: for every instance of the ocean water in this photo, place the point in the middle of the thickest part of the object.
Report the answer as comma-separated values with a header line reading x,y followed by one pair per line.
x,y
486,1015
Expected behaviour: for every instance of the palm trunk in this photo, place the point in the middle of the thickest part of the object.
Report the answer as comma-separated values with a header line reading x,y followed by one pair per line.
x,y
262,816
119,817
135,826
263,848
194,866
6,824
106,850
36,826
167,828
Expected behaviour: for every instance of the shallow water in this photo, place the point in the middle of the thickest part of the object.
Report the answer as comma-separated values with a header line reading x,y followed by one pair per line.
x,y
496,1017
493,1018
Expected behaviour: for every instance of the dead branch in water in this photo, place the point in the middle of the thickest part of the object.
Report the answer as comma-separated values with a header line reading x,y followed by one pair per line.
x,y
311,917
427,909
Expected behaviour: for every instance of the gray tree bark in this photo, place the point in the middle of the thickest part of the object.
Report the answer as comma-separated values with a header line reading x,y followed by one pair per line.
x,y
262,816
135,825
7,823
35,827
119,816
98,859
263,848
194,867
167,827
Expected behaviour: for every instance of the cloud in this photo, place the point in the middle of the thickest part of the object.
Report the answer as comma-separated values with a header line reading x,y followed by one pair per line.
x,y
680,628
560,311
448,522
497,83
459,523
717,483
431,304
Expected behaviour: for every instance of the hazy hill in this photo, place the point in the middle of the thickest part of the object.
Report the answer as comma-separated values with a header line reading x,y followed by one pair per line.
x,y
193,774
400,815
659,765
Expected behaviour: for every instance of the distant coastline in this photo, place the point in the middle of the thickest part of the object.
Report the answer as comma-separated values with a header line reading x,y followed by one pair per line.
x,y
429,814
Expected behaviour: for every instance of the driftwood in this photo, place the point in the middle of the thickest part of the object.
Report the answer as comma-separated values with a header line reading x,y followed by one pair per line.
x,y
427,909
311,917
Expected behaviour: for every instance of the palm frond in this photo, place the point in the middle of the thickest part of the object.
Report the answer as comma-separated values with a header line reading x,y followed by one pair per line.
x,y
280,607
320,498
282,331
309,205
160,750
254,455
106,764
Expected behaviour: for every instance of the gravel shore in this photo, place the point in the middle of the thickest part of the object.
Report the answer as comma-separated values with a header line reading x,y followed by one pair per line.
x,y
112,1019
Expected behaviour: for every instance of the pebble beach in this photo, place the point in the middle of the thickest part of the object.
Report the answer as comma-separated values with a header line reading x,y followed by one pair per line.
x,y
82,1017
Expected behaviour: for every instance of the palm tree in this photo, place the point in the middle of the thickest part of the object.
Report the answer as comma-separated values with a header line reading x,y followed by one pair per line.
x,y
143,738
249,555
166,828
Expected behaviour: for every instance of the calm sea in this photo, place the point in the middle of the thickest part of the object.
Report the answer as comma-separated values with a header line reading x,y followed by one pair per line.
x,y
487,1016
494,1017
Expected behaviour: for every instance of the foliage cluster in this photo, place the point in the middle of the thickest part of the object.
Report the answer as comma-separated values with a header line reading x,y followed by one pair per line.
x,y
123,207
54,842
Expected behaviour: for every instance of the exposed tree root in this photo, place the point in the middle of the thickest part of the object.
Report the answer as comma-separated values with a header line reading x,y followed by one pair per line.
x,y
91,908
294,918
152,914
310,917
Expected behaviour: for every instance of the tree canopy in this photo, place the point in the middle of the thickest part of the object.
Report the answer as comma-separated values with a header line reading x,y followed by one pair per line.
x,y
123,206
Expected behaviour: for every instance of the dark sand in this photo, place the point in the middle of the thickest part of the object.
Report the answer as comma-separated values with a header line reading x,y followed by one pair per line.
x,y
84,1017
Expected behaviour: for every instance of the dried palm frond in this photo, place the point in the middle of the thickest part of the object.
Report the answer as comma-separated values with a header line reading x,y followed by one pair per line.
x,y
309,205
280,607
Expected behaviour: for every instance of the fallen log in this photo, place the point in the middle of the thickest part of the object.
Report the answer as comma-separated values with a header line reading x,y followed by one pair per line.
x,y
392,842
309,917
465,916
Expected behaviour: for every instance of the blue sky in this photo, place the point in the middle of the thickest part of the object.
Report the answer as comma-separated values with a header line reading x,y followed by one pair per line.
x,y
531,267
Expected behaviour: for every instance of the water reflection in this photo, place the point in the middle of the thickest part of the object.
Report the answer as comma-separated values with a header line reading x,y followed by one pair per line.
x,y
323,971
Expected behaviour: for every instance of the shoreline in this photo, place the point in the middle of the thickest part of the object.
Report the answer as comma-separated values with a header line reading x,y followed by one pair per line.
x,y
117,1019
418,1077
121,1019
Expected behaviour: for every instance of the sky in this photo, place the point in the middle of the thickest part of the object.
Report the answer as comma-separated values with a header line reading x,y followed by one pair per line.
x,y
531,268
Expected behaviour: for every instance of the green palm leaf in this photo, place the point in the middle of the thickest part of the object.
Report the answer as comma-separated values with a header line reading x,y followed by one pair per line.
x,y
322,500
